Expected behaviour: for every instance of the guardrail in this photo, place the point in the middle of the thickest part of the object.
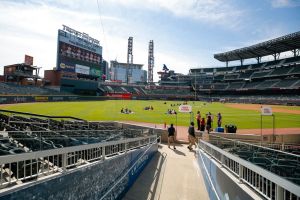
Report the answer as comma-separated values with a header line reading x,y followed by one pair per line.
x,y
25,167
267,184
38,115
43,140
282,147
279,148
109,193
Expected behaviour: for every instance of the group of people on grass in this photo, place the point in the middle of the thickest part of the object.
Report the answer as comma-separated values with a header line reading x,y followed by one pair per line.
x,y
171,112
148,108
126,111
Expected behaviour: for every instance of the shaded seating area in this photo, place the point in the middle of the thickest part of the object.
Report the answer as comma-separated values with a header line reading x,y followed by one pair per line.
x,y
24,133
12,88
284,164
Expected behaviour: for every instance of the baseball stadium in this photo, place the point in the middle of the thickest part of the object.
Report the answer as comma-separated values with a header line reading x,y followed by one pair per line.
x,y
89,129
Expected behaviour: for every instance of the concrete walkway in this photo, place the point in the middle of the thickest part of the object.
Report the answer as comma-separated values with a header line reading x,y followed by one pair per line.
x,y
172,174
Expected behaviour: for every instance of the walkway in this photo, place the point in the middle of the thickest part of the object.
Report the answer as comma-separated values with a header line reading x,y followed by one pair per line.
x,y
172,174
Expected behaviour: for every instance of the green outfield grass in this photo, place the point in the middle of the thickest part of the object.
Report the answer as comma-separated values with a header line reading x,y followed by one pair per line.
x,y
110,110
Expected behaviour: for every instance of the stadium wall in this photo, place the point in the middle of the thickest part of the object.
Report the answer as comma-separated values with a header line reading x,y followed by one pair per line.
x,y
218,184
90,182
30,99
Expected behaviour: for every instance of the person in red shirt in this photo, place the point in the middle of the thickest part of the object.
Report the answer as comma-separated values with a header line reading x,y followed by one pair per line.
x,y
202,124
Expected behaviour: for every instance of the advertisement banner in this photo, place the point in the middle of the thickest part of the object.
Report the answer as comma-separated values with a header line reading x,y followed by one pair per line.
x,y
95,72
28,60
80,69
185,108
66,66
266,110
121,96
41,99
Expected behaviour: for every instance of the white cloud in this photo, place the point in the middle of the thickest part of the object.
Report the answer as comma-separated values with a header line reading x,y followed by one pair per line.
x,y
285,3
31,28
213,12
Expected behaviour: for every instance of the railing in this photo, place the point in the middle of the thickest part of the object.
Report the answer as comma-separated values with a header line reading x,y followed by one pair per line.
x,y
25,167
267,184
109,193
275,147
38,115
49,139
282,147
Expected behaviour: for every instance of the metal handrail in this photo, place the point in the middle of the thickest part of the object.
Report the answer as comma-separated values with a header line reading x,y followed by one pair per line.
x,y
279,181
258,146
38,115
134,164
65,150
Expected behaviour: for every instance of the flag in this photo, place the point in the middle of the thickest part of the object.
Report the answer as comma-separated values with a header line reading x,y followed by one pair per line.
x,y
165,68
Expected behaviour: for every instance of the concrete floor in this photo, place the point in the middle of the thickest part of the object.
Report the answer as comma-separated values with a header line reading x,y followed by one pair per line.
x,y
172,174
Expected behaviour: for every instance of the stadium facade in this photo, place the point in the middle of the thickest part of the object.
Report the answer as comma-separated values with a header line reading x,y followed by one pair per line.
x,y
127,73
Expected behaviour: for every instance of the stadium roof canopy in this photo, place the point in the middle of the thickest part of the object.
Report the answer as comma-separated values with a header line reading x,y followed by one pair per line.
x,y
285,43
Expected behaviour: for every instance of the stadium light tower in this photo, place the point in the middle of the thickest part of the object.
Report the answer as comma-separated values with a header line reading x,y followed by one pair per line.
x,y
129,57
129,51
195,87
150,61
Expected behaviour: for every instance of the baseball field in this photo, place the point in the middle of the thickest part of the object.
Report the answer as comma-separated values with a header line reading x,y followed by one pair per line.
x,y
244,116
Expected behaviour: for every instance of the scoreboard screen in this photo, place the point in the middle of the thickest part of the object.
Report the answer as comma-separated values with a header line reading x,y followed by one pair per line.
x,y
78,53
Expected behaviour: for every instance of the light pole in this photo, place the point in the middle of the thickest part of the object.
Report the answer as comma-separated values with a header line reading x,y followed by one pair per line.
x,y
195,87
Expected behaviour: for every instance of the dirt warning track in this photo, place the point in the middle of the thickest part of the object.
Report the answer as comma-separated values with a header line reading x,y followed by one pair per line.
x,y
257,107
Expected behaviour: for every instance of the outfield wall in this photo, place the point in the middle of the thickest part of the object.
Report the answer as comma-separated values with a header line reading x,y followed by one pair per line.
x,y
89,182
39,98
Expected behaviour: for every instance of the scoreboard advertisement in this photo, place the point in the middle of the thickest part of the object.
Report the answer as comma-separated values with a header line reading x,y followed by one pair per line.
x,y
79,53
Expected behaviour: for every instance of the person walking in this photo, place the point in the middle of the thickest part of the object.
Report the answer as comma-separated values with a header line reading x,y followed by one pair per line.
x,y
171,134
192,136
198,118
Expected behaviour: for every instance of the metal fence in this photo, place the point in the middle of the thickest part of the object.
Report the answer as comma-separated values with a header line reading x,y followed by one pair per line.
x,y
24,167
267,184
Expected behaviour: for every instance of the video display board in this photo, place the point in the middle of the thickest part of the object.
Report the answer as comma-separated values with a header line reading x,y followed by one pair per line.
x,y
77,52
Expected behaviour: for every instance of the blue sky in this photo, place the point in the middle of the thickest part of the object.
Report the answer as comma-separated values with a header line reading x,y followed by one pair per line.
x,y
186,33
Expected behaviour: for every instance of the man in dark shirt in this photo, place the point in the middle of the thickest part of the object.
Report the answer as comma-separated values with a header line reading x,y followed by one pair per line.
x,y
192,136
208,123
171,134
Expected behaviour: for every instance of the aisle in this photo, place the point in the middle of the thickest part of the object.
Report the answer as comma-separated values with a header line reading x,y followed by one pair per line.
x,y
171,175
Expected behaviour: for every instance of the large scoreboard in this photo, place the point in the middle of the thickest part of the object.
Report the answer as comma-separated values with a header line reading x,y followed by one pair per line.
x,y
78,53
